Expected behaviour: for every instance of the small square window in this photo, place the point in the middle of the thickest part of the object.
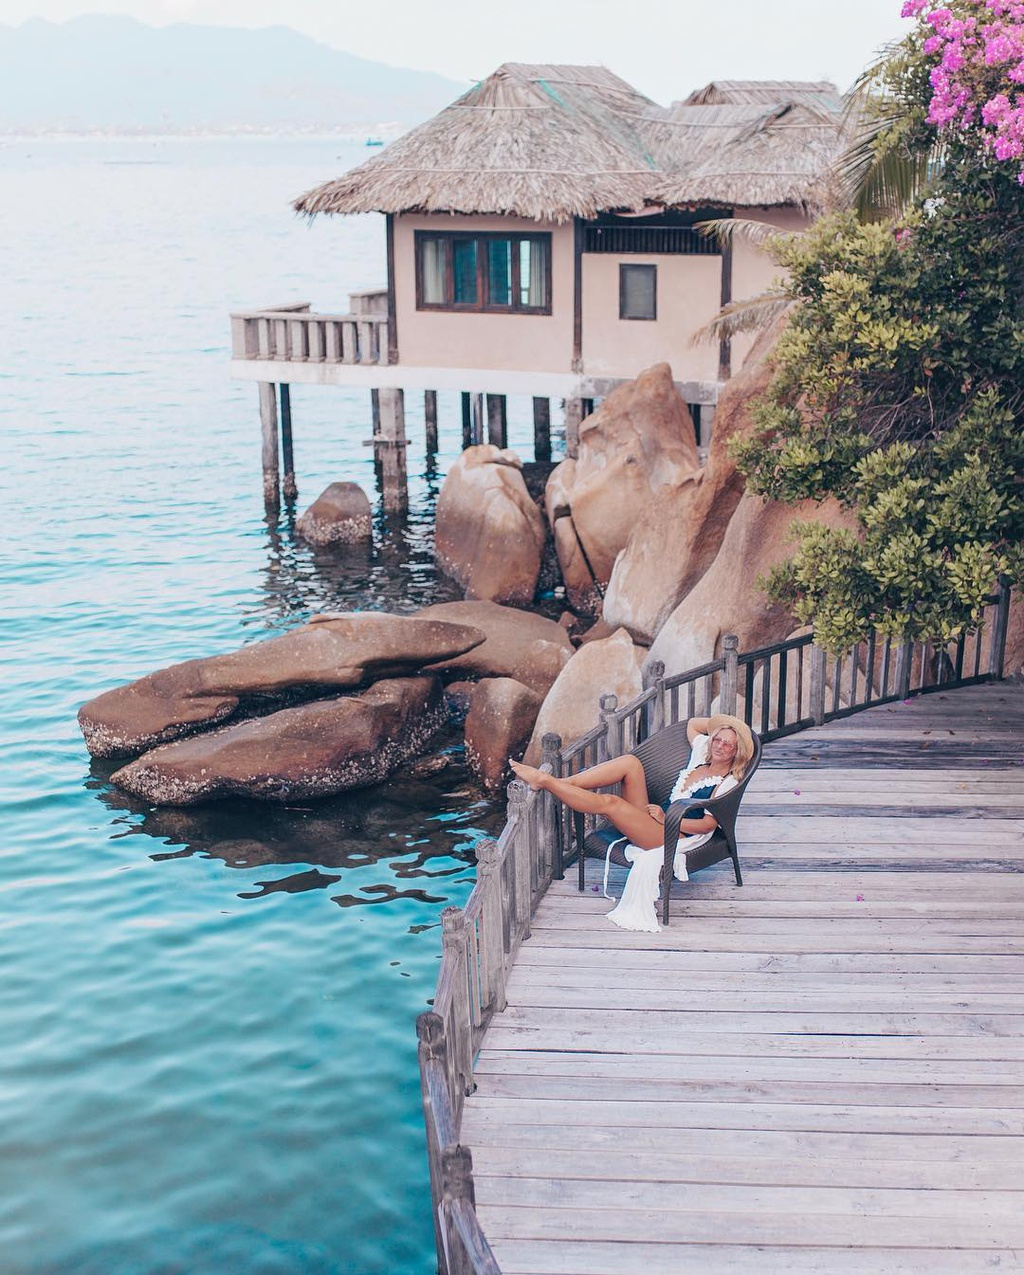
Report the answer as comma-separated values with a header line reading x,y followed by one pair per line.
x,y
638,292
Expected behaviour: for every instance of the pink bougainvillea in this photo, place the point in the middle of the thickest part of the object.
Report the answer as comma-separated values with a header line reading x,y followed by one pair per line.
x,y
978,81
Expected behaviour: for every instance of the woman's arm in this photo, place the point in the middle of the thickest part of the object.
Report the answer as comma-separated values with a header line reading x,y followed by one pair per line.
x,y
696,726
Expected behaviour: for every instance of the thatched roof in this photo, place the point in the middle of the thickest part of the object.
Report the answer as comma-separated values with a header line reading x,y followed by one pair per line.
x,y
764,93
555,142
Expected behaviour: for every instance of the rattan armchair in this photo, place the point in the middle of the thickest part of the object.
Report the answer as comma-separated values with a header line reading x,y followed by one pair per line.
x,y
662,756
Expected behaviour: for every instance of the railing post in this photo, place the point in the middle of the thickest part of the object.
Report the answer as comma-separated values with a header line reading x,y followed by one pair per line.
x,y
550,750
433,1052
654,711
454,952
997,652
904,667
610,743
522,868
816,690
492,928
727,695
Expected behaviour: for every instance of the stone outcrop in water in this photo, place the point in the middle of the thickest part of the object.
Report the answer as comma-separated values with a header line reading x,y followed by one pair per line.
x,y
324,656
313,750
489,534
519,644
500,720
340,515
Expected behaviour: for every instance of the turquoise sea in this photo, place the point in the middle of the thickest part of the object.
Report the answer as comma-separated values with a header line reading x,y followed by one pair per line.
x,y
207,1017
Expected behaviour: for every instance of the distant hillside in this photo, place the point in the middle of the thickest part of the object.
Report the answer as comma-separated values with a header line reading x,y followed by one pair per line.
x,y
113,73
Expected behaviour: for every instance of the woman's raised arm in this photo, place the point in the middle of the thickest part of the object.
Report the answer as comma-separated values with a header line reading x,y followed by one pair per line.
x,y
696,726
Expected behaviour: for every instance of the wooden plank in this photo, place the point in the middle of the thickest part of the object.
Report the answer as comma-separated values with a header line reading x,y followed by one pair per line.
x,y
807,1147
588,1257
548,1030
624,1114
963,1229
753,1201
616,1164
644,1086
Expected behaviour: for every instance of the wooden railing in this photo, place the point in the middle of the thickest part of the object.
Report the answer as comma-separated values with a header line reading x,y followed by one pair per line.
x,y
292,334
776,689
479,944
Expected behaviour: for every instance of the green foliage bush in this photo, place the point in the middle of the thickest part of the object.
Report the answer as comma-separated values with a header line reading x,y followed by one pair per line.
x,y
898,388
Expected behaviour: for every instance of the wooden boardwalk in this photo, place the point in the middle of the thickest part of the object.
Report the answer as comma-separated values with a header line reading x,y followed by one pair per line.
x,y
822,1071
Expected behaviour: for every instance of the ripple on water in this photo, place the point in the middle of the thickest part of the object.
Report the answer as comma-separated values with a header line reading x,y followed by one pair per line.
x,y
209,1055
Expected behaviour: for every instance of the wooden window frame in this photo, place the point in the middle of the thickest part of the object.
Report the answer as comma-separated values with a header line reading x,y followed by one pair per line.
x,y
636,265
482,238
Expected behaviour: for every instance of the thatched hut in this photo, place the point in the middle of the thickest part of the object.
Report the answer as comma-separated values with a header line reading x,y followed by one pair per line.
x,y
541,230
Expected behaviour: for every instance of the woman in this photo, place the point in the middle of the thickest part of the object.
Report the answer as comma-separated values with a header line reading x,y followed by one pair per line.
x,y
722,747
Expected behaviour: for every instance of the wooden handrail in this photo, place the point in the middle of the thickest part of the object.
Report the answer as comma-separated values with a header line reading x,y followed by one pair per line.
x,y
480,942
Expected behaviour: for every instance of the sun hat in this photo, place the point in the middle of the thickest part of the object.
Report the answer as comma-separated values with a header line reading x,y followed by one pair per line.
x,y
744,739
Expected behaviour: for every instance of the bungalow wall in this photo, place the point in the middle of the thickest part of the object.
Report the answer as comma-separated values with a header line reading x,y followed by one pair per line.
x,y
504,342
688,297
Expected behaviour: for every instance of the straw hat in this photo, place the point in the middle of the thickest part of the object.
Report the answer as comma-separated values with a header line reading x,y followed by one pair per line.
x,y
744,739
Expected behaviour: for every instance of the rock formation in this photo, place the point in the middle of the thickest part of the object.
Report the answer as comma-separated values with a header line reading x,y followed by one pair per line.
x,y
680,529
489,534
501,715
296,754
728,598
321,657
518,644
340,515
610,666
638,441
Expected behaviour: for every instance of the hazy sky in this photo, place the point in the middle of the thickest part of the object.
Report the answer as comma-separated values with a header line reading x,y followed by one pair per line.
x,y
663,47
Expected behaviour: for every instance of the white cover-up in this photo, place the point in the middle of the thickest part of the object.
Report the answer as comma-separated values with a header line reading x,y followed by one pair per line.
x,y
636,909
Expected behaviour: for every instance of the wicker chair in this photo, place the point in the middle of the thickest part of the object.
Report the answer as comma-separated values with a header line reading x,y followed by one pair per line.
x,y
662,756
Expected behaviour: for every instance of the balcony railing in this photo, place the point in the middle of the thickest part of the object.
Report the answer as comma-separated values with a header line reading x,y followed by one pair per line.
x,y
292,334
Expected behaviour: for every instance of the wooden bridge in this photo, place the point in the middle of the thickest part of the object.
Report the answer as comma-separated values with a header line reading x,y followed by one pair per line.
x,y
819,1071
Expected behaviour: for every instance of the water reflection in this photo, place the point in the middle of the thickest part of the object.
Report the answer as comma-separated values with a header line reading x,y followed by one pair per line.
x,y
395,572
419,826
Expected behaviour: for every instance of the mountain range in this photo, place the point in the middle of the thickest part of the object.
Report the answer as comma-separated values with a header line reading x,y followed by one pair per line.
x,y
101,73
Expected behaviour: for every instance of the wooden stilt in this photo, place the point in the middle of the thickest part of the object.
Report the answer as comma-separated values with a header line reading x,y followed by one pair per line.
x,y
389,448
291,490
497,420
375,431
430,420
573,417
478,418
707,417
268,421
542,429
467,420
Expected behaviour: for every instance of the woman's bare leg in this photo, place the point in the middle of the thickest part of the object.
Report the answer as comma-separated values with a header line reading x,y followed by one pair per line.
x,y
631,820
626,770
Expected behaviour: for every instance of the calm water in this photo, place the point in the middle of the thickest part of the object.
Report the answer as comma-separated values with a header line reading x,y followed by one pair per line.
x,y
207,1017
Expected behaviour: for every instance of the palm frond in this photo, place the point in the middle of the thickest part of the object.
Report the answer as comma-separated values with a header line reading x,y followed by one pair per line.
x,y
754,314
726,229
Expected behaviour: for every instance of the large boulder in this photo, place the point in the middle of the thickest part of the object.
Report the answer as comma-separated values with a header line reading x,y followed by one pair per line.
x,y
639,440
728,598
313,750
500,720
341,514
489,533
680,529
518,644
329,654
609,666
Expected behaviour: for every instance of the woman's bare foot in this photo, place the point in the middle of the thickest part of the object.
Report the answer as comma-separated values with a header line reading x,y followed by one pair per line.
x,y
528,774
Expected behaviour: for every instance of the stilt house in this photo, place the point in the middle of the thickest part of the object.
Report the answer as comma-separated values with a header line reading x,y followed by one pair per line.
x,y
542,240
